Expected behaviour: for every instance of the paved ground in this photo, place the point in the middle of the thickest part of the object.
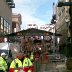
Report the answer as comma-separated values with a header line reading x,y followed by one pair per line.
x,y
53,67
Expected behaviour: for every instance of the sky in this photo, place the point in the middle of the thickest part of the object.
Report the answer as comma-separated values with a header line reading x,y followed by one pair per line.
x,y
34,11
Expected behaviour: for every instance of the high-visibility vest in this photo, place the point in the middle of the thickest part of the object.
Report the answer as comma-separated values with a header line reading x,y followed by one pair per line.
x,y
27,62
3,64
13,64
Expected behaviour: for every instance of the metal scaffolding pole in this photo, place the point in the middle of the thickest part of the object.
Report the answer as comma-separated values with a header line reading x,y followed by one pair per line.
x,y
54,48
54,30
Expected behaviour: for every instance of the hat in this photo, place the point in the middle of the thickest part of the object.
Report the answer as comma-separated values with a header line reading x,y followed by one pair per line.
x,y
3,54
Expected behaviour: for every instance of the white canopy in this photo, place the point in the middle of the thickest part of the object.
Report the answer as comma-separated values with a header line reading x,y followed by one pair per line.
x,y
4,46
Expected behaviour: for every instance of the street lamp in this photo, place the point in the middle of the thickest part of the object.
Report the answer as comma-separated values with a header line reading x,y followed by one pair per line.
x,y
5,39
53,21
58,40
54,41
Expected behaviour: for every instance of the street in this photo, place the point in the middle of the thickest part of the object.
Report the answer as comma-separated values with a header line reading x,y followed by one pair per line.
x,y
53,67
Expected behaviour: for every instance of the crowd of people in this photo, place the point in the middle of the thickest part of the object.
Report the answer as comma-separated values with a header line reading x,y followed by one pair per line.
x,y
20,62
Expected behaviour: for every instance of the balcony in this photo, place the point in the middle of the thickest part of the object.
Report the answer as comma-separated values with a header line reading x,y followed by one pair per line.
x,y
11,3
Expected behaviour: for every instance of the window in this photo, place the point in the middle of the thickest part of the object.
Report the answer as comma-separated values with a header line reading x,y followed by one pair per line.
x,y
29,24
9,28
4,26
5,23
63,9
1,26
59,14
2,23
1,20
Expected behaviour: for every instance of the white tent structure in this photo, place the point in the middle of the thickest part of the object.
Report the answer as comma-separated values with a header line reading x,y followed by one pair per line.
x,y
5,46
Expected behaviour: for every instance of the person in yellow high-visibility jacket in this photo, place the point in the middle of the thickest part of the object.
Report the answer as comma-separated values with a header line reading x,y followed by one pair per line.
x,y
27,62
3,64
16,63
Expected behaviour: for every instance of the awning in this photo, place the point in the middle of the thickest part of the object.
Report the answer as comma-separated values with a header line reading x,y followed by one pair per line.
x,y
31,32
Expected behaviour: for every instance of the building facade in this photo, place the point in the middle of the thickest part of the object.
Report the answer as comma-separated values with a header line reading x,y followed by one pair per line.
x,y
6,16
32,26
62,24
16,22
47,27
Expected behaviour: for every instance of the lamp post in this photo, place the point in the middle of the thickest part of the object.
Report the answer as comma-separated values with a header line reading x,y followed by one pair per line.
x,y
53,21
54,35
